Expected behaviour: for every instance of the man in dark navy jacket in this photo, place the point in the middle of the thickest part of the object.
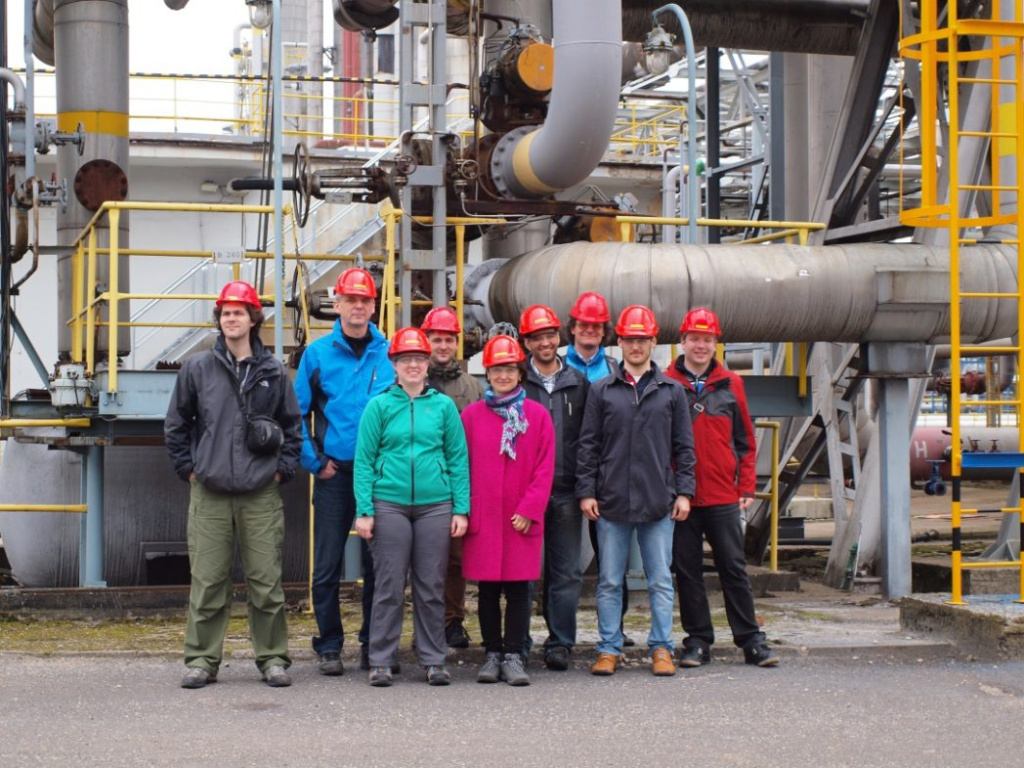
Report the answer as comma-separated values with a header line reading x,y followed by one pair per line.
x,y
635,474
724,438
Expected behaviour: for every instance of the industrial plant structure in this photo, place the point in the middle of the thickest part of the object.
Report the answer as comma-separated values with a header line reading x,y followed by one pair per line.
x,y
838,179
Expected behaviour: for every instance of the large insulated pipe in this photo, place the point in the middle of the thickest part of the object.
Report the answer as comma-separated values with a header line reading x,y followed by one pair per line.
x,y
843,293
535,162
793,26
92,90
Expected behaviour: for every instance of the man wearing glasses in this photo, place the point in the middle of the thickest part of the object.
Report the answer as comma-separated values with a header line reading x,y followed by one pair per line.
x,y
563,391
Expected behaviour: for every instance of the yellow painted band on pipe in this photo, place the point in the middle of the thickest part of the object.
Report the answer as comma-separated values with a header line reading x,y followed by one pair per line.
x,y
524,171
94,121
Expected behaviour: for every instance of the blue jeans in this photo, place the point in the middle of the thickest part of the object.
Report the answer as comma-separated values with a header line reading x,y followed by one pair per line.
x,y
655,539
334,509
563,578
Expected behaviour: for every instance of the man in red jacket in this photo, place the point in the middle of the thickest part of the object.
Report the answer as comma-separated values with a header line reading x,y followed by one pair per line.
x,y
724,440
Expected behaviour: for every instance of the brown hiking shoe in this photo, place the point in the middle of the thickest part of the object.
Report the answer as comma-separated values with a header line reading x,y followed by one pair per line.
x,y
662,664
605,665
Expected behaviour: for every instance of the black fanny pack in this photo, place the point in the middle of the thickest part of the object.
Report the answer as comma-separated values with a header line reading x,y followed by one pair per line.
x,y
263,435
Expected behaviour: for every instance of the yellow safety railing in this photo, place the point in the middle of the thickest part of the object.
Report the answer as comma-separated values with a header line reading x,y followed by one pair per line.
x,y
786,229
992,43
645,130
773,494
237,104
85,319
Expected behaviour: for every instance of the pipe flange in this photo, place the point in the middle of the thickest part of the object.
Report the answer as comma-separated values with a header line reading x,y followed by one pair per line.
x,y
501,159
477,288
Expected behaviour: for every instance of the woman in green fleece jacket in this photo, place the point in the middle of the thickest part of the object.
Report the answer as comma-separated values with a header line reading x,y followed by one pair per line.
x,y
412,496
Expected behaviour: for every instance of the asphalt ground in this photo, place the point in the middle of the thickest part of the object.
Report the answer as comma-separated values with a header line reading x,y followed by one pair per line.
x,y
124,711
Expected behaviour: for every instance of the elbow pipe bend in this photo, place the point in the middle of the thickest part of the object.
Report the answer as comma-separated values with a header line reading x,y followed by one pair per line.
x,y
42,32
536,162
362,15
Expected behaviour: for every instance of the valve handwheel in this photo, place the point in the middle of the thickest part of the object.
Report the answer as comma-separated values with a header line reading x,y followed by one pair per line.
x,y
302,189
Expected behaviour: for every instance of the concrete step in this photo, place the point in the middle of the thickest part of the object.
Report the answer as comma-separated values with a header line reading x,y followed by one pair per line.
x,y
988,627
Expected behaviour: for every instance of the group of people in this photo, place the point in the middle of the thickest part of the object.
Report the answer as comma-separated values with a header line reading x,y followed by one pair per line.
x,y
446,480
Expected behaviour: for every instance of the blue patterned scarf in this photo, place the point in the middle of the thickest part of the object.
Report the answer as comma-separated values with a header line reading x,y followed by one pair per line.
x,y
510,408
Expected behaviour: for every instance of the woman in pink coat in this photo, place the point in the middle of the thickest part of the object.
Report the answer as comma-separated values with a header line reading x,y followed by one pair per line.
x,y
511,444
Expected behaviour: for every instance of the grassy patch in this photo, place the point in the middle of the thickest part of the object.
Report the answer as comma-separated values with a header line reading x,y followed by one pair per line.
x,y
159,636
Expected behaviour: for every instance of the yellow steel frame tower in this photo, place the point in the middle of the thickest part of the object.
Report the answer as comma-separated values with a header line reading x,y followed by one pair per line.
x,y
998,41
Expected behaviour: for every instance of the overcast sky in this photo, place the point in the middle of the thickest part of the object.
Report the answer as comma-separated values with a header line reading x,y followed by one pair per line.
x,y
194,40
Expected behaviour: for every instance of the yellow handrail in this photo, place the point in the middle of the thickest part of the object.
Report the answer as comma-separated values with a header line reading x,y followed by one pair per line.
x,y
75,508
19,423
773,494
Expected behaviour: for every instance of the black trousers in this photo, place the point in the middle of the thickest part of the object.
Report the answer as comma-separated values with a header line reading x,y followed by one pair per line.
x,y
723,529
517,615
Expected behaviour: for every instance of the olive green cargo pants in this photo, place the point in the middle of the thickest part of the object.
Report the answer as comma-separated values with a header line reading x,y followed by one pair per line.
x,y
214,519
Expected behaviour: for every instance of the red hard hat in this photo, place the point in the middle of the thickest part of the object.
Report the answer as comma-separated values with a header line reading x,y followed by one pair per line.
x,y
537,318
442,319
355,282
408,340
590,307
701,320
636,322
502,350
241,292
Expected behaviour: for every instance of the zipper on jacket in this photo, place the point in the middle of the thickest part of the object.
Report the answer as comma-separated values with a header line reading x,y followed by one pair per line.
x,y
412,447
373,378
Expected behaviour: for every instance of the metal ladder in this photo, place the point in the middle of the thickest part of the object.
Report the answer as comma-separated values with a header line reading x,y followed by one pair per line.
x,y
1002,43
429,93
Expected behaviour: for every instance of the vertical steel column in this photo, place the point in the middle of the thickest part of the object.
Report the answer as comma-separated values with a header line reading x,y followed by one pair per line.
x,y
894,364
30,91
90,565
432,95
894,444
712,128
91,49
777,138
277,136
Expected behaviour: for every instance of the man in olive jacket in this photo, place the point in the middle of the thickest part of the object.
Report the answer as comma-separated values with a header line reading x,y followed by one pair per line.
x,y
233,488
446,375
636,472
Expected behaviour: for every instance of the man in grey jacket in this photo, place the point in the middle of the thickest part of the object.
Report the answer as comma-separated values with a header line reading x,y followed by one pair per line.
x,y
636,472
234,487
